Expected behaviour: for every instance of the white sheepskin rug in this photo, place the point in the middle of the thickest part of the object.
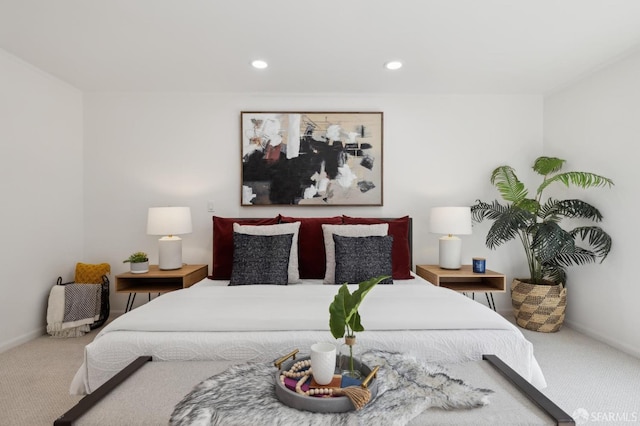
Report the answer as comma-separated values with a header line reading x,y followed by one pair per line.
x,y
245,395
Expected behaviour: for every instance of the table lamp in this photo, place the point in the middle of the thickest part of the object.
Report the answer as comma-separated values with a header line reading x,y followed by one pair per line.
x,y
450,221
169,222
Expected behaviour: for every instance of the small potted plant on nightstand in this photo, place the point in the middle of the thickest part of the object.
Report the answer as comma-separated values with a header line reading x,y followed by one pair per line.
x,y
139,262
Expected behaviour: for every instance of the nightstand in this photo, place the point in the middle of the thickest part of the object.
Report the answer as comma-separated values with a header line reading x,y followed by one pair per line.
x,y
158,281
465,280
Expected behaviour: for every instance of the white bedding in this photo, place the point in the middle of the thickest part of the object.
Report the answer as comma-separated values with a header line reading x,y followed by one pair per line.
x,y
211,321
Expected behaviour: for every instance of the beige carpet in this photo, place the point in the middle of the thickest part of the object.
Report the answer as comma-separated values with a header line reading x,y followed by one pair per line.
x,y
584,376
34,389
588,378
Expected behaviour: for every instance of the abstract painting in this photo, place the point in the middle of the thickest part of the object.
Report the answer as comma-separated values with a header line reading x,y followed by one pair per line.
x,y
311,158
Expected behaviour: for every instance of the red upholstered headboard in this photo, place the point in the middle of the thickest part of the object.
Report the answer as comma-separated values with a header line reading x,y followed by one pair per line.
x,y
311,242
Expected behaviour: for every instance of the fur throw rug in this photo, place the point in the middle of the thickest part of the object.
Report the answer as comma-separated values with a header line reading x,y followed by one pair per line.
x,y
245,395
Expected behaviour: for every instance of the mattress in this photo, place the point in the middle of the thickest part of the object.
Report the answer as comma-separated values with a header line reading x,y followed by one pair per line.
x,y
212,321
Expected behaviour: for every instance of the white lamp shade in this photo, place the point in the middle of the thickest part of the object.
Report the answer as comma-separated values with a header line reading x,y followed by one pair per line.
x,y
169,221
450,220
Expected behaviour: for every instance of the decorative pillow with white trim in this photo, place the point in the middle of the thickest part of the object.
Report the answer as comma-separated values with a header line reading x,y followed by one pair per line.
x,y
378,230
280,229
362,258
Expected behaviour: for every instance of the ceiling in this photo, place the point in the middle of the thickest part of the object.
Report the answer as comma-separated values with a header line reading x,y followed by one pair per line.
x,y
321,46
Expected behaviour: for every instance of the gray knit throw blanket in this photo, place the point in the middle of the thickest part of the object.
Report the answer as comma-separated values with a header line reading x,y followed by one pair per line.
x,y
245,395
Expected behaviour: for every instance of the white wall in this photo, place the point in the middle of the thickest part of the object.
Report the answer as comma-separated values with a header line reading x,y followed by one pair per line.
x,y
41,185
595,125
145,150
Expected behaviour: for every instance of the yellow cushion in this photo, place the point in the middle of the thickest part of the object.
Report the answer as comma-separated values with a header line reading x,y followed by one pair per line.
x,y
87,273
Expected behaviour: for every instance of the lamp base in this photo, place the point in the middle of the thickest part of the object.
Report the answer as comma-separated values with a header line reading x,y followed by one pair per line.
x,y
170,253
450,252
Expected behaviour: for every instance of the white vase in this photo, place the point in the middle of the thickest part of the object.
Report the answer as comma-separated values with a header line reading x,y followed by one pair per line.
x,y
139,267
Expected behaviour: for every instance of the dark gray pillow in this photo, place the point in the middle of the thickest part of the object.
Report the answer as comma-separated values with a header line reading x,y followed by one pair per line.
x,y
361,258
260,259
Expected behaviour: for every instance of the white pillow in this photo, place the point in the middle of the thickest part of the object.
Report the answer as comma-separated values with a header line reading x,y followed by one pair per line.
x,y
377,230
284,228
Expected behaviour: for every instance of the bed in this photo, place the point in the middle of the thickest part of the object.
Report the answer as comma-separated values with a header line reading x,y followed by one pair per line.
x,y
216,321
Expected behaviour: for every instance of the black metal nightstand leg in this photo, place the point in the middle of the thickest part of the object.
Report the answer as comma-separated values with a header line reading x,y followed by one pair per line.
x,y
130,300
490,302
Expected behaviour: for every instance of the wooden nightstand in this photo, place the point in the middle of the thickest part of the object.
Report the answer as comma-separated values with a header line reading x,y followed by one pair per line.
x,y
465,280
158,281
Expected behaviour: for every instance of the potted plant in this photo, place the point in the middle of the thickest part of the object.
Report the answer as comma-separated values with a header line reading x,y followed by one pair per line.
x,y
139,262
344,320
539,301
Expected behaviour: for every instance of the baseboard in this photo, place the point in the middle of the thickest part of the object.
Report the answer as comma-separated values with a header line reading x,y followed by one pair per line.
x,y
507,313
5,346
603,338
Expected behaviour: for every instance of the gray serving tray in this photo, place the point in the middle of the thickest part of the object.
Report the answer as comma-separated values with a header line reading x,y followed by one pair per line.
x,y
339,404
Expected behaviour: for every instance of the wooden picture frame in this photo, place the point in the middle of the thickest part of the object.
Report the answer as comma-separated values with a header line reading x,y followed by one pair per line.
x,y
311,158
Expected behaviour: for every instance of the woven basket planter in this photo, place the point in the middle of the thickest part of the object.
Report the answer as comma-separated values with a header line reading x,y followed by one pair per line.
x,y
538,307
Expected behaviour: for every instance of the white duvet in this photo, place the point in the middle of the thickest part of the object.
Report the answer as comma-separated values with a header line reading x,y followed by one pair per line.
x,y
212,321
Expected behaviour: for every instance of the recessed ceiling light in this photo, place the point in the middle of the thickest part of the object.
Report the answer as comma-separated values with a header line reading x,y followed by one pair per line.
x,y
259,64
393,65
